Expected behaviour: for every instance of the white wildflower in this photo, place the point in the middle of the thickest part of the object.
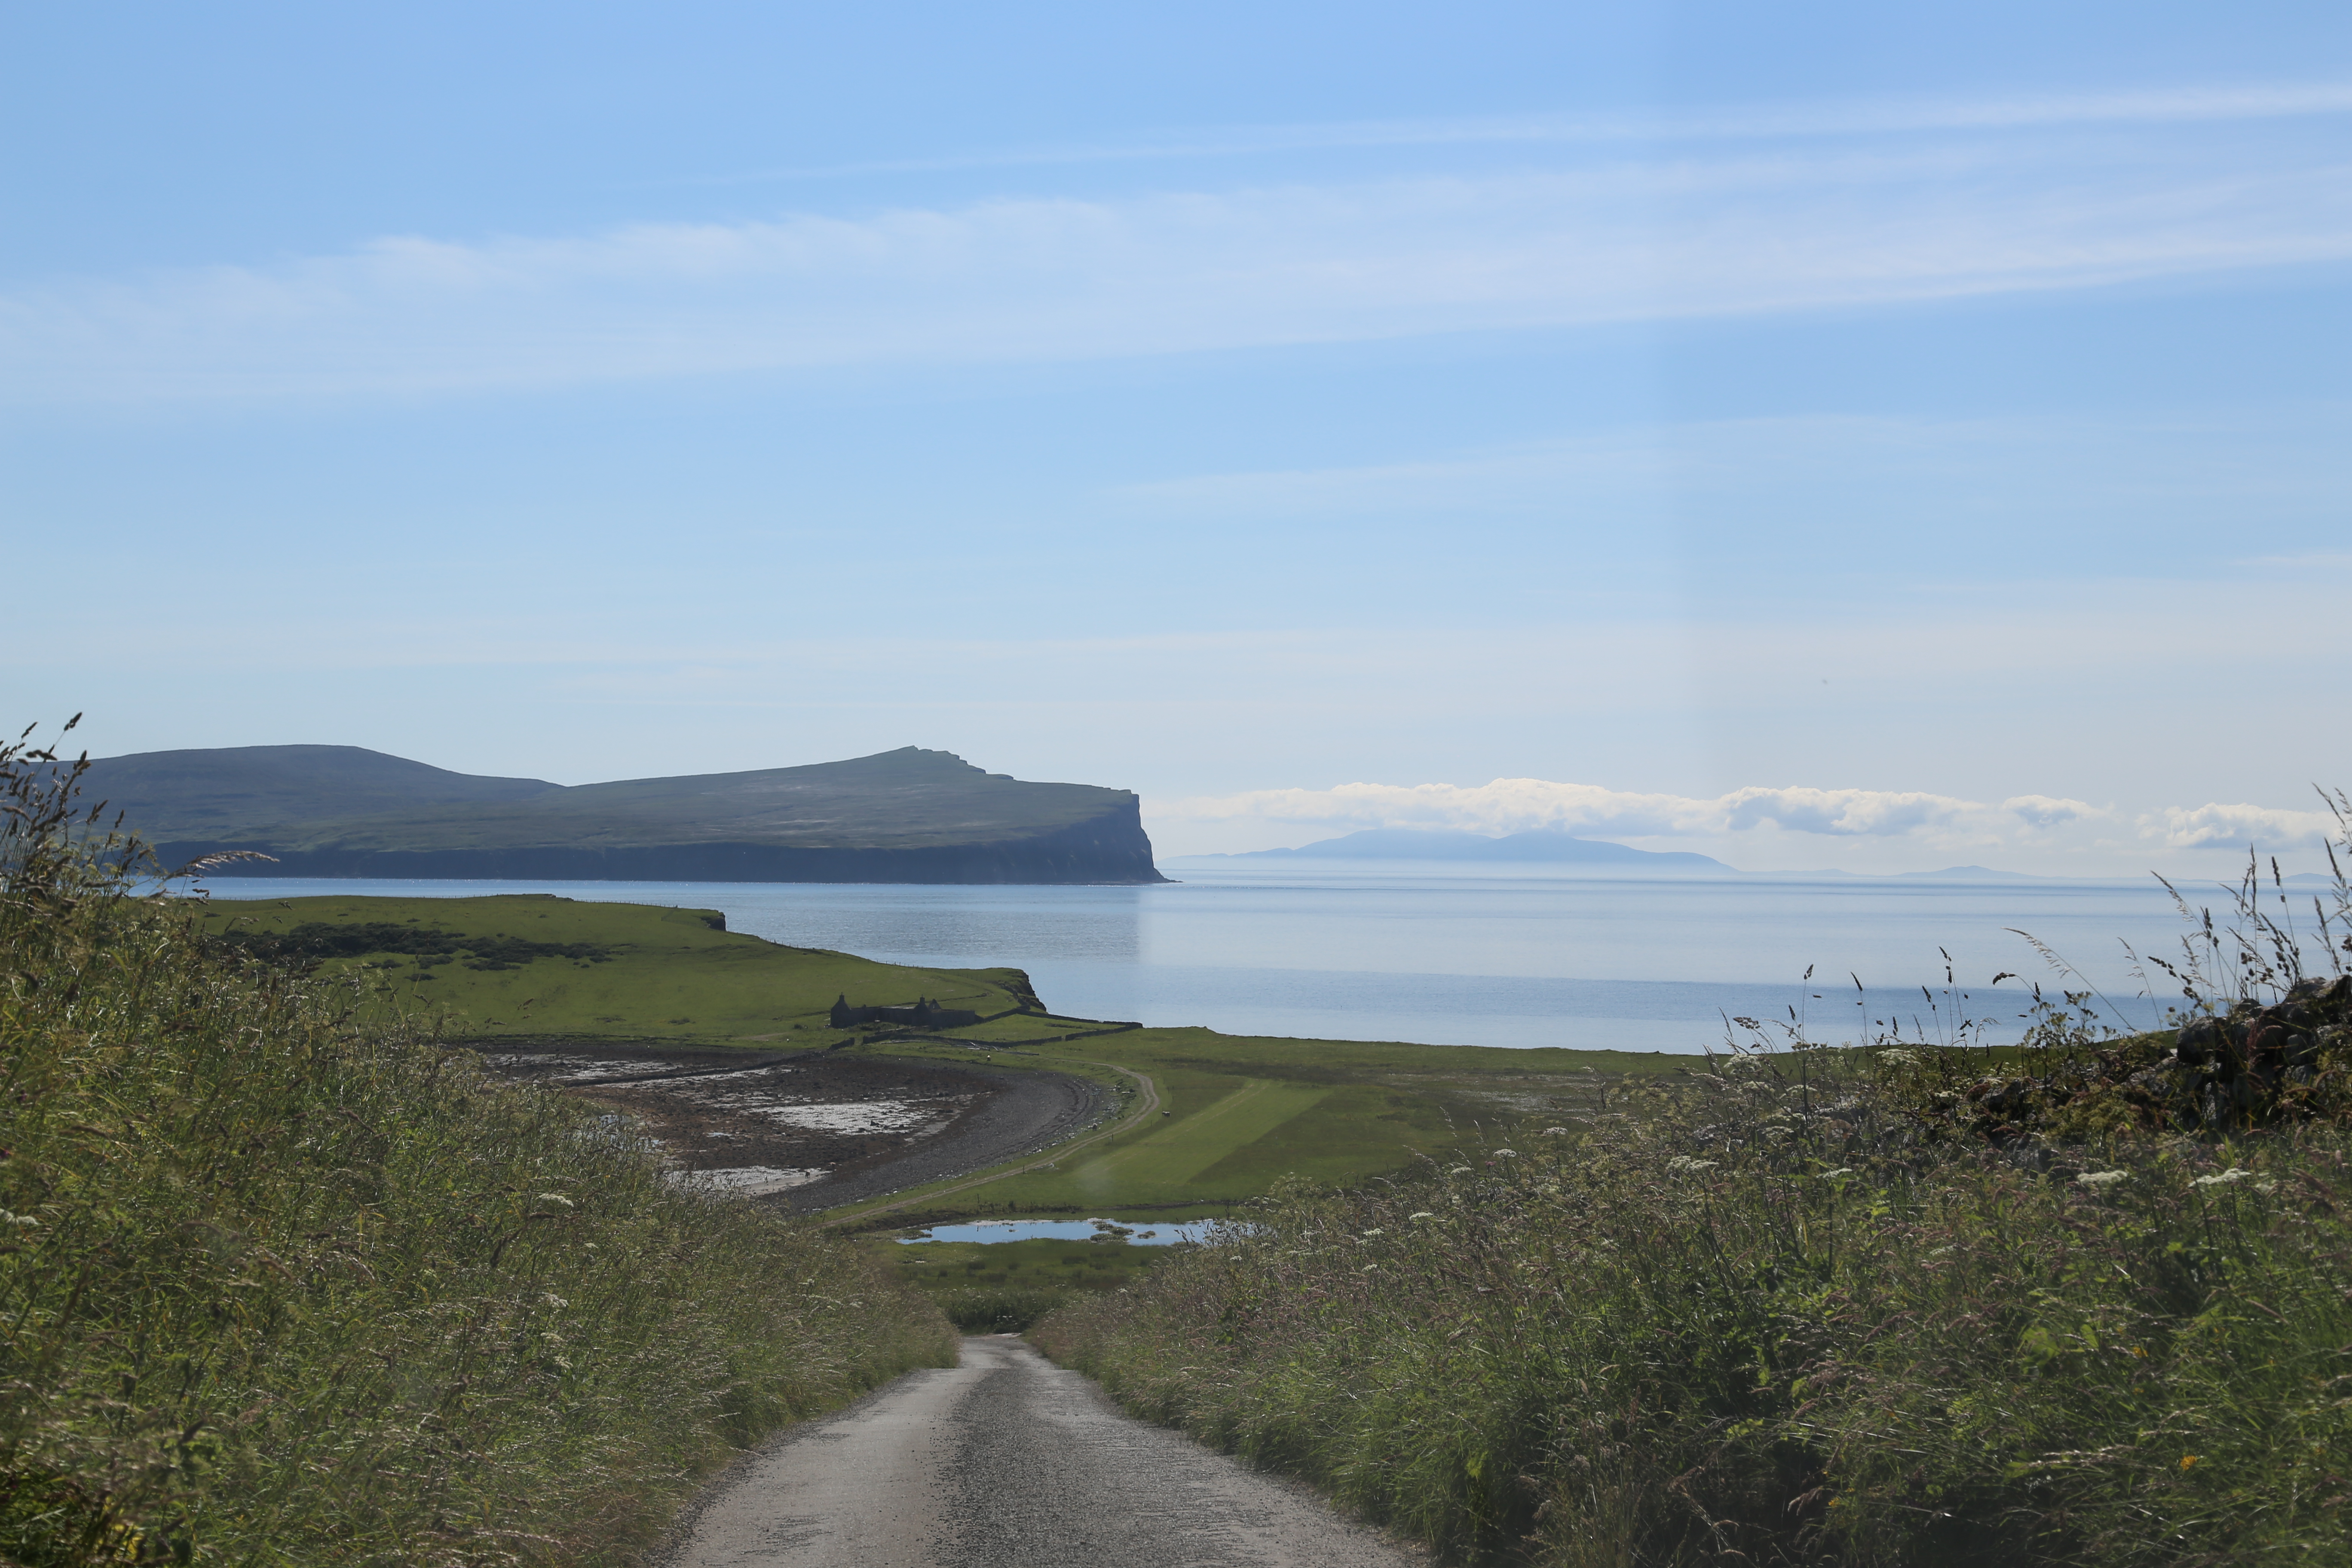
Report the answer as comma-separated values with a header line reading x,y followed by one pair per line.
x,y
1370,1234
1424,1213
555,1198
553,1299
2101,1178
1841,1171
1689,1164
2234,1173
1458,1171
1555,1132
1507,1154
10,1217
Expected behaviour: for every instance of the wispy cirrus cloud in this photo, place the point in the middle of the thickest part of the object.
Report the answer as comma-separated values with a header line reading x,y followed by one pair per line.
x,y
1652,234
2190,105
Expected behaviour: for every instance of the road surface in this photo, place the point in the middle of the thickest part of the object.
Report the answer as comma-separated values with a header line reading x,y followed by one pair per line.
x,y
1008,1461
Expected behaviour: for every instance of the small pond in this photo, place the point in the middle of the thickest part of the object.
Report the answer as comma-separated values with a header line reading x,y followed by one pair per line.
x,y
1140,1233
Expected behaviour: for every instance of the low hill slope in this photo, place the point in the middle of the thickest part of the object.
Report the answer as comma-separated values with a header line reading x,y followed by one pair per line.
x,y
231,791
907,816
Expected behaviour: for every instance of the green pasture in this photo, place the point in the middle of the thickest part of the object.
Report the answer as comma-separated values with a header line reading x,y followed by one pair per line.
x,y
660,974
1241,1112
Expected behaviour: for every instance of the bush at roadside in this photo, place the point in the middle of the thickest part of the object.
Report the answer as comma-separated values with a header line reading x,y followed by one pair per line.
x,y
1723,1326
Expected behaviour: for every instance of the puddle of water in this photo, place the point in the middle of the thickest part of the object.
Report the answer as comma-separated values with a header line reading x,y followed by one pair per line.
x,y
866,1116
744,1181
1146,1232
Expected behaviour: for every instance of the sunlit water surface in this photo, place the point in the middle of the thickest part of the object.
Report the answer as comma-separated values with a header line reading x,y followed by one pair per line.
x,y
1502,957
1140,1233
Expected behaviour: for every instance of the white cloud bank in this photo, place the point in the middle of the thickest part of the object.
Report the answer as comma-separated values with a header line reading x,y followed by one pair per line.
x,y
2021,827
1655,234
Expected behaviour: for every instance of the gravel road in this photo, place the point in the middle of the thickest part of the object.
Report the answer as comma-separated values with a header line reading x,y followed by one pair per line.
x,y
1008,1461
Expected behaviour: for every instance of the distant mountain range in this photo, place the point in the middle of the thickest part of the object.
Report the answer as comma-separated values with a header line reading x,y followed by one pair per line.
x,y
1541,847
907,816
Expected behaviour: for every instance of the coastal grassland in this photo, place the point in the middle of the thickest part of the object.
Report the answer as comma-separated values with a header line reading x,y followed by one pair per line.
x,y
279,1286
2080,1299
535,965
1237,1113
1234,1114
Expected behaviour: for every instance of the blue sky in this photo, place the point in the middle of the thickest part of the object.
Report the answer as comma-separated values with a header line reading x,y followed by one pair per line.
x,y
1833,435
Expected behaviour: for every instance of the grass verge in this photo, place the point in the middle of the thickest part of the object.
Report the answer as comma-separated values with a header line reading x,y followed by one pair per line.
x,y
281,1286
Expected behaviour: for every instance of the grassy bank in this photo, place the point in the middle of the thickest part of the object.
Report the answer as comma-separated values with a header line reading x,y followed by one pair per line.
x,y
283,1286
1006,1286
2078,1302
1646,1346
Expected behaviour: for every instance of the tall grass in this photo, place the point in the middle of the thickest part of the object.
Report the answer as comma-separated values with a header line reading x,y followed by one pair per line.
x,y
276,1289
1811,1306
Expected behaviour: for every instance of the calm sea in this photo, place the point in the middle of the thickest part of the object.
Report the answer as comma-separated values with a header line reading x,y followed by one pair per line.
x,y
1503,957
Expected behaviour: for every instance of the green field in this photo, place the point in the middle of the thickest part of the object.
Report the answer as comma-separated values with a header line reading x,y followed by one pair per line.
x,y
1213,1119
659,975
1242,1111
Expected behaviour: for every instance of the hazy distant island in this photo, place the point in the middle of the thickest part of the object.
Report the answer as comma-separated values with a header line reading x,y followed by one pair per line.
x,y
1551,847
907,816
1543,846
